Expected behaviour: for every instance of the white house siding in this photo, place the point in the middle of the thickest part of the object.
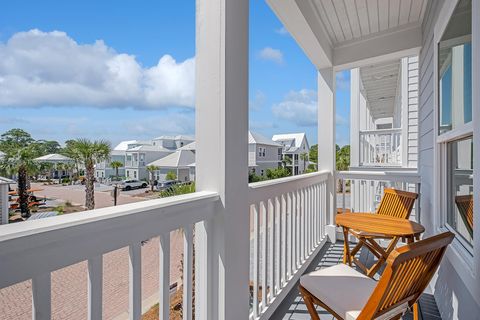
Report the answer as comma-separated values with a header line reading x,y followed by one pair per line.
x,y
412,139
453,298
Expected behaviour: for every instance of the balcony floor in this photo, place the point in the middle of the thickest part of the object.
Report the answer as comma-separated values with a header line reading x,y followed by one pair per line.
x,y
293,308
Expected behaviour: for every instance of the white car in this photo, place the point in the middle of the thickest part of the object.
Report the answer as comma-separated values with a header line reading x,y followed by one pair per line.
x,y
132,184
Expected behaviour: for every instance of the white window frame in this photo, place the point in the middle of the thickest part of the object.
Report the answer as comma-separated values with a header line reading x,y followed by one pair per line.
x,y
464,258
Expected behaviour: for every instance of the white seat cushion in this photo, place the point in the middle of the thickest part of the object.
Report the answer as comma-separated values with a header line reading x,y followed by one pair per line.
x,y
343,289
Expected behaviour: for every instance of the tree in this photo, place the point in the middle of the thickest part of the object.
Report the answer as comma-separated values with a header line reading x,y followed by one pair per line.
x,y
89,152
171,175
14,139
343,158
313,153
48,146
342,161
151,170
20,160
116,165
304,158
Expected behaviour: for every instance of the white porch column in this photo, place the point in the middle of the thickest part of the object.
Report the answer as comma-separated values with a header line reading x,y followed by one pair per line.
x,y
476,134
404,106
326,141
222,244
354,117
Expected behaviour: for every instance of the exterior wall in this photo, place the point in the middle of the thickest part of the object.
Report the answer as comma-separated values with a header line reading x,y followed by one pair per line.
x,y
269,161
149,156
183,174
453,297
412,112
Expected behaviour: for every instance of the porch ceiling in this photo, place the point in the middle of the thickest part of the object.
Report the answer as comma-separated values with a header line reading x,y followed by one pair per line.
x,y
380,83
353,33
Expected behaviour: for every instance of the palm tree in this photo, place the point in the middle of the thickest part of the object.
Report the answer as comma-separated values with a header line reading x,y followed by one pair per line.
x,y
89,152
151,169
116,165
21,161
304,158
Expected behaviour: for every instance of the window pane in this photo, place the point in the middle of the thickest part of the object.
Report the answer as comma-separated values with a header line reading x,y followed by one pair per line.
x,y
455,69
460,175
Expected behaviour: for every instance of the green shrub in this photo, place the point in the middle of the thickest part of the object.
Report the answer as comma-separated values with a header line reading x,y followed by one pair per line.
x,y
171,175
177,189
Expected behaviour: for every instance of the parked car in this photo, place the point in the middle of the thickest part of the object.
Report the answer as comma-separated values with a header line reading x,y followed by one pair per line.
x,y
132,184
164,185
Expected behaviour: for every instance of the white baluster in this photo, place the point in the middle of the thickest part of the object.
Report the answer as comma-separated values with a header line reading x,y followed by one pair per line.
x,y
135,281
263,212
256,258
95,287
164,277
272,221
187,271
41,297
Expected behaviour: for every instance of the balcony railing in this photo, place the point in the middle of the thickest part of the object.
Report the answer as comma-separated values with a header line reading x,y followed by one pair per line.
x,y
362,191
33,250
288,218
381,147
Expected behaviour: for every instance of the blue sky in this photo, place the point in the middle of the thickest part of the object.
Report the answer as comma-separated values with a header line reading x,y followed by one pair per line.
x,y
124,70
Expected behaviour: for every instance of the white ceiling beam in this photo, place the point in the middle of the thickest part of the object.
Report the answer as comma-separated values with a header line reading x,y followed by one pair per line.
x,y
301,20
378,49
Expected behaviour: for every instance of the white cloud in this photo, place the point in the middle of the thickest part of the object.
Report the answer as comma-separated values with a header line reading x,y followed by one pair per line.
x,y
271,54
51,69
299,107
282,31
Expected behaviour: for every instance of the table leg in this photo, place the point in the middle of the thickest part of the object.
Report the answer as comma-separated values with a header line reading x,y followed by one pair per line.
x,y
385,253
346,248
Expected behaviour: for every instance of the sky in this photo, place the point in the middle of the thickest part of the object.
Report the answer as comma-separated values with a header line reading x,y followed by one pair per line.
x,y
125,70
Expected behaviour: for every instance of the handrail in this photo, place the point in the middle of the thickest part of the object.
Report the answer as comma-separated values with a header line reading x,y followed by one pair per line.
x,y
33,248
259,191
391,175
381,131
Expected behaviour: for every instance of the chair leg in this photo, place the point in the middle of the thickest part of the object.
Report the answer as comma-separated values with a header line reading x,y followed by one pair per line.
x,y
415,311
310,306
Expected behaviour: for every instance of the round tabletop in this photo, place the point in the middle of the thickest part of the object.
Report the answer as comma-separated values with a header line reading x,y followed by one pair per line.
x,y
376,223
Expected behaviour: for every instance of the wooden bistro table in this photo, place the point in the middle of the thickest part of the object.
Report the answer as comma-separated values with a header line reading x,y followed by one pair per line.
x,y
390,227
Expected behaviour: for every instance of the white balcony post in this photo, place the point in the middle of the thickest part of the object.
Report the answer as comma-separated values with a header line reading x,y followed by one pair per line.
x,y
222,244
404,106
355,144
326,139
476,130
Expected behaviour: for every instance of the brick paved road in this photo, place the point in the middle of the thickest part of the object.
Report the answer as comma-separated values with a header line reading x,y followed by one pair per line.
x,y
69,285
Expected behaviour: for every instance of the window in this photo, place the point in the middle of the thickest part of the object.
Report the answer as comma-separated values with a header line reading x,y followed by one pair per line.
x,y
460,187
135,174
454,117
455,70
128,173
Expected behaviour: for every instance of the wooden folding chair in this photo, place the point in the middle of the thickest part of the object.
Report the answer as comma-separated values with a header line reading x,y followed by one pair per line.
x,y
348,294
395,203
465,207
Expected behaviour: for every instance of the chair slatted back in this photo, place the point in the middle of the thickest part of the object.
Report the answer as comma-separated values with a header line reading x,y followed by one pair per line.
x,y
408,272
397,203
465,207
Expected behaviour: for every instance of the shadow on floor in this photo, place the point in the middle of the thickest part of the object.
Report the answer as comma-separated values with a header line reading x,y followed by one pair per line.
x,y
293,307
